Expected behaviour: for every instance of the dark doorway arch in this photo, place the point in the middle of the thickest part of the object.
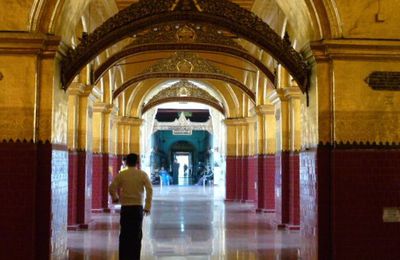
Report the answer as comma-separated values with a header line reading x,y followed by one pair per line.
x,y
222,13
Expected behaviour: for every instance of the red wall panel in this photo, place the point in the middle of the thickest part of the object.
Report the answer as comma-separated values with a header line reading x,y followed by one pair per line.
x,y
269,183
252,167
282,188
260,183
244,178
230,178
97,191
72,187
239,185
364,181
25,197
294,191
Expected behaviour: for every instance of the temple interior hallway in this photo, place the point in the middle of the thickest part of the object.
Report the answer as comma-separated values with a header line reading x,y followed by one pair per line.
x,y
190,222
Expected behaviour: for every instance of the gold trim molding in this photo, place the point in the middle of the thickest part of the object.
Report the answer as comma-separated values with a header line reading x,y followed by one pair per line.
x,y
131,121
265,109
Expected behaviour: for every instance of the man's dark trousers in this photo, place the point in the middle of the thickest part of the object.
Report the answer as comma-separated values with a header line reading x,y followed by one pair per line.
x,y
130,237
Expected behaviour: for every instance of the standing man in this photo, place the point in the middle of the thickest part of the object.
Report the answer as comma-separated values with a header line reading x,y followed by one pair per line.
x,y
131,183
175,172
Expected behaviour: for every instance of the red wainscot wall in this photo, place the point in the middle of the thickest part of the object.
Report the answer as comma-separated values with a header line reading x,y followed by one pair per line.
x,y
252,167
80,187
260,183
294,191
344,191
315,203
100,183
239,178
266,183
26,198
244,179
282,188
231,178
365,181
269,183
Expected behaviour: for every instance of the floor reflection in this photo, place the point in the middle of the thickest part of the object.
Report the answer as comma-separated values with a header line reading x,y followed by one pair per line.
x,y
190,222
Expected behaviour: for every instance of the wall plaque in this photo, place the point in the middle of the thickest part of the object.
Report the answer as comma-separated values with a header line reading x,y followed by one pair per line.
x,y
384,80
391,215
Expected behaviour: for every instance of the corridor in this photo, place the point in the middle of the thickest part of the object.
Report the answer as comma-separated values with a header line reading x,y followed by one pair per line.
x,y
190,222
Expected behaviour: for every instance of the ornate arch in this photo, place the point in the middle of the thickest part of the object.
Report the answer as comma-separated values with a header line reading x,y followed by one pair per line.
x,y
183,36
177,75
174,46
183,91
222,13
184,65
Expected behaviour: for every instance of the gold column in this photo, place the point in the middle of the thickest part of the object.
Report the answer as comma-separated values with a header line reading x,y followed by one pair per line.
x,y
251,135
101,127
266,129
135,124
129,138
80,116
230,138
293,95
281,104
75,90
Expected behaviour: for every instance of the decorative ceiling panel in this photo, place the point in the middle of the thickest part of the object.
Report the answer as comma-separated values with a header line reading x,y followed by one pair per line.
x,y
247,4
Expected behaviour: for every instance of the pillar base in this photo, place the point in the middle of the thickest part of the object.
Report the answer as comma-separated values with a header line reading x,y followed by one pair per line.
x,y
104,210
78,227
293,227
269,210
229,200
73,227
281,226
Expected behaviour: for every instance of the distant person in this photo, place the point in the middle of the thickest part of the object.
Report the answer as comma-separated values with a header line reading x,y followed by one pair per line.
x,y
175,171
123,163
164,176
131,182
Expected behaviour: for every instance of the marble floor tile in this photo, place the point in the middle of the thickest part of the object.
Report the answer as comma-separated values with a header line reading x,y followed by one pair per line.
x,y
190,222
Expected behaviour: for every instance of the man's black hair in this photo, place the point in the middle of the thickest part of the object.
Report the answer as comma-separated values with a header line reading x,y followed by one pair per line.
x,y
131,159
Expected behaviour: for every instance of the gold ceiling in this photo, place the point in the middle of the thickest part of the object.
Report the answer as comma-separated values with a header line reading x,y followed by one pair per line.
x,y
247,4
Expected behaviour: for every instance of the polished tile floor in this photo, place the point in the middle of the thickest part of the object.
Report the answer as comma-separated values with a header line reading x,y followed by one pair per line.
x,y
190,222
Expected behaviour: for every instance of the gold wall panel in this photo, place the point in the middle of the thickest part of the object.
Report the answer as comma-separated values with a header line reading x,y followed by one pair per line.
x,y
310,134
60,111
46,100
370,19
361,113
98,131
14,15
17,97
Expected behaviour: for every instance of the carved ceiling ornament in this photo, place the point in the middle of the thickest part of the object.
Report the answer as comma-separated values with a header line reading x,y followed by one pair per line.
x,y
182,126
150,12
183,91
133,50
185,62
184,65
185,32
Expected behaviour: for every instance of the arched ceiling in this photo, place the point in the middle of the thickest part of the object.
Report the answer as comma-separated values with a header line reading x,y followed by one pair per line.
x,y
184,65
151,12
